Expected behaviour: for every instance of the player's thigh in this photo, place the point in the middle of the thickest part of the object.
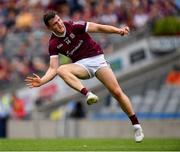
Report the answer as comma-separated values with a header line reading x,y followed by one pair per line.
x,y
107,77
76,70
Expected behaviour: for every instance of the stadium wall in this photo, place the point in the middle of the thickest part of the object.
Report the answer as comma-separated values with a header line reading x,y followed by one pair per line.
x,y
90,129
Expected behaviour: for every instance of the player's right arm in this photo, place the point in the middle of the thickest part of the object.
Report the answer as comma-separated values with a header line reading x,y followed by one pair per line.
x,y
99,28
36,81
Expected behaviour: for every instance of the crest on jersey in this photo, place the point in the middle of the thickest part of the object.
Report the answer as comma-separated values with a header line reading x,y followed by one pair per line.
x,y
72,36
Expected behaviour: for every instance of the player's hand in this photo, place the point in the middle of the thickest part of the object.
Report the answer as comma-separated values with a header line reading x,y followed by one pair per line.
x,y
124,31
34,81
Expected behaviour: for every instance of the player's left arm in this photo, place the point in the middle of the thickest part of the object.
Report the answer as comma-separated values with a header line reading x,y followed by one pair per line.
x,y
100,28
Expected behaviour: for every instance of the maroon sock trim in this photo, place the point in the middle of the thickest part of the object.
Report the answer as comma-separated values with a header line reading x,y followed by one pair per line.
x,y
134,120
84,91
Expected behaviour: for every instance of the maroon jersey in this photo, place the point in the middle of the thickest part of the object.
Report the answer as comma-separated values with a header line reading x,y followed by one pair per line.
x,y
76,43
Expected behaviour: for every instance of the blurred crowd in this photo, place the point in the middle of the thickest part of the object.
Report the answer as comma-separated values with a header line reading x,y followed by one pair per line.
x,y
173,77
24,38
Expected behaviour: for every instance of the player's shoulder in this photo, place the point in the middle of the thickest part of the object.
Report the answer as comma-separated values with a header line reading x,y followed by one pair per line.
x,y
80,22
52,40
68,23
72,23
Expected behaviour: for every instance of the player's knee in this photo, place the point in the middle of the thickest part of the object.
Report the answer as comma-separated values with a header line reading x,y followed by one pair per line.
x,y
62,71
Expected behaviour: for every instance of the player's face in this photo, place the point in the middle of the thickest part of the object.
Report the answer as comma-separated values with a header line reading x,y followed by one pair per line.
x,y
56,25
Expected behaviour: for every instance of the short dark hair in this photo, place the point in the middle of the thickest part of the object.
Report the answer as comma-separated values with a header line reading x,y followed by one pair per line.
x,y
49,15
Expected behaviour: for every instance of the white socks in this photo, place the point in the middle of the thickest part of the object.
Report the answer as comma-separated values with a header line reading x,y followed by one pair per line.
x,y
137,126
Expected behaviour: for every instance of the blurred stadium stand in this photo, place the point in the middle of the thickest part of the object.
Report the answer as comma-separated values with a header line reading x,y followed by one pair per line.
x,y
141,61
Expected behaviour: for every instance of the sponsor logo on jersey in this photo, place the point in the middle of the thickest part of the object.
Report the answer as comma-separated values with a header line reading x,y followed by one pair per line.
x,y
69,53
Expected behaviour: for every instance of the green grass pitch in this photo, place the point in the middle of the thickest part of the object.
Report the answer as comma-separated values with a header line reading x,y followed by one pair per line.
x,y
109,144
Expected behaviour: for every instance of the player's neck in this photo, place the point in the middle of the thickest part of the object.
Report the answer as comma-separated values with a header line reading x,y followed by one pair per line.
x,y
60,34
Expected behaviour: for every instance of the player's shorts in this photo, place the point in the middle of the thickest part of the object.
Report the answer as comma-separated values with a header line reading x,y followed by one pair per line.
x,y
92,64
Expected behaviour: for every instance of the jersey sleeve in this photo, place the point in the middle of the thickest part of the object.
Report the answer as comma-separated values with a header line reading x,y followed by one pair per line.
x,y
79,26
52,49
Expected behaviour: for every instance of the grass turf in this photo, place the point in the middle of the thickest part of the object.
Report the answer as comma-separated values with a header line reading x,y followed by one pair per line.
x,y
89,145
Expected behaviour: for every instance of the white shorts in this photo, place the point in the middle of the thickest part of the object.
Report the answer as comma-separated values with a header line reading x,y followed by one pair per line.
x,y
92,64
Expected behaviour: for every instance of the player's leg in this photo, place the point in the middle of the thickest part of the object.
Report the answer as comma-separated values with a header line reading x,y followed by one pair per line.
x,y
71,73
107,77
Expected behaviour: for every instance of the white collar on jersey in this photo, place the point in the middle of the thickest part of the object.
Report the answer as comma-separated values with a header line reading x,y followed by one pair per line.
x,y
62,35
